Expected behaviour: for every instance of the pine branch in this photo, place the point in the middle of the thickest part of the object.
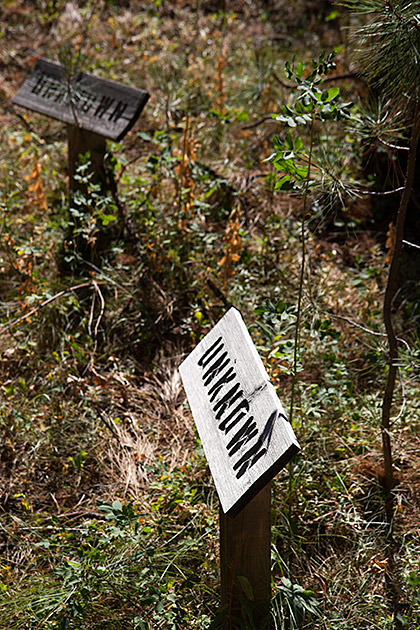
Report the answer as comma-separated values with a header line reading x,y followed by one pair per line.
x,y
389,45
411,21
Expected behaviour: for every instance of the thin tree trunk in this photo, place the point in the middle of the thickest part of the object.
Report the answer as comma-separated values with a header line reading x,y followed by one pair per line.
x,y
391,582
390,291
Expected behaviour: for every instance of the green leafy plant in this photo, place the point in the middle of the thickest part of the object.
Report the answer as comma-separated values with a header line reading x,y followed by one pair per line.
x,y
92,215
119,568
312,104
292,604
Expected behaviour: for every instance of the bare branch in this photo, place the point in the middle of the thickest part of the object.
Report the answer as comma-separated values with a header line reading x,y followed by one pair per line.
x,y
36,309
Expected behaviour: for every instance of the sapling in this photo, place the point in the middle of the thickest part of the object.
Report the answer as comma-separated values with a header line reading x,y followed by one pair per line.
x,y
297,163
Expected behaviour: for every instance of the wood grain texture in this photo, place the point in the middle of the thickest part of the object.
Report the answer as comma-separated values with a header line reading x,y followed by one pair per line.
x,y
245,552
80,142
99,105
241,422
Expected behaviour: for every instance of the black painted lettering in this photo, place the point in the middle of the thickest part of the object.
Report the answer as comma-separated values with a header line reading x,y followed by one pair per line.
x,y
222,410
104,105
257,451
85,106
40,84
216,368
227,377
225,426
53,91
206,358
232,408
249,463
87,103
234,422
61,96
227,401
118,111
216,372
245,434
212,356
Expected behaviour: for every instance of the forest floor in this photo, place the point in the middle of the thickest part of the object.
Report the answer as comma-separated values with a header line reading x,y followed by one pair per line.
x,y
108,513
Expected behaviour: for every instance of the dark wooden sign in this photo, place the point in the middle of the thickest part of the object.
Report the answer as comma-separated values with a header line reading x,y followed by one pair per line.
x,y
98,105
242,425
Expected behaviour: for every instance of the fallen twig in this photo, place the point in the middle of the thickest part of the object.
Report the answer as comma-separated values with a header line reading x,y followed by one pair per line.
x,y
36,309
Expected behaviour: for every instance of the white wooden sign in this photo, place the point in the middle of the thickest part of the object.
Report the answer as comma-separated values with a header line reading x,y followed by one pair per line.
x,y
240,420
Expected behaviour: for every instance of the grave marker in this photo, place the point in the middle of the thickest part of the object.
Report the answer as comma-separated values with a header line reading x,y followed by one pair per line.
x,y
247,440
98,105
93,108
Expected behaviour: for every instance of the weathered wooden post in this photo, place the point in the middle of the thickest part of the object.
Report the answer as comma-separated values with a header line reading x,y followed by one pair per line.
x,y
80,142
93,108
245,554
247,440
